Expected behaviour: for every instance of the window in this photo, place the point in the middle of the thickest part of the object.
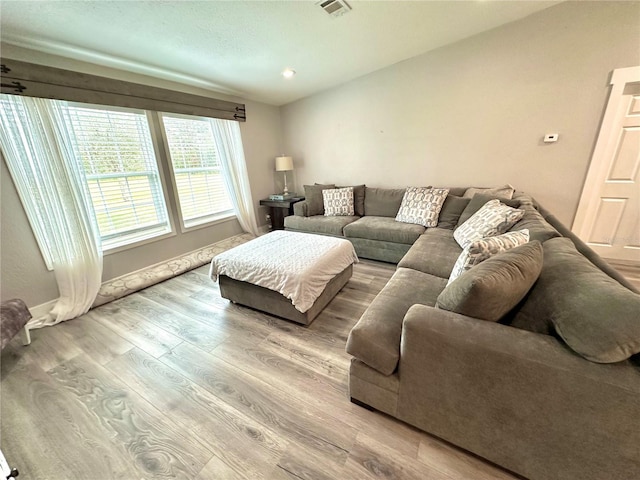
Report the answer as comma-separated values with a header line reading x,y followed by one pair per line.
x,y
199,182
116,151
121,159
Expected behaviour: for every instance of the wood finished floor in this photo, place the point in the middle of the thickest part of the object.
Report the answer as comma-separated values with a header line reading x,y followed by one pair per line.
x,y
176,382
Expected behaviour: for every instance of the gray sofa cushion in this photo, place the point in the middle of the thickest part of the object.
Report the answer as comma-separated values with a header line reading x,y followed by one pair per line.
x,y
434,253
595,315
313,198
375,339
524,317
390,252
384,229
451,211
456,191
524,199
383,202
505,192
539,228
491,289
585,250
301,209
318,224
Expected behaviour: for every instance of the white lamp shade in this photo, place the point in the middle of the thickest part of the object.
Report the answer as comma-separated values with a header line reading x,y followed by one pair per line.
x,y
284,164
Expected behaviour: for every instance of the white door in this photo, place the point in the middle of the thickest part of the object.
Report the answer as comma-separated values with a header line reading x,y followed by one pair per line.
x,y
608,216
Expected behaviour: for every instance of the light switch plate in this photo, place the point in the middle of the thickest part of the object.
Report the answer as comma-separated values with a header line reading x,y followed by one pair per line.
x,y
551,137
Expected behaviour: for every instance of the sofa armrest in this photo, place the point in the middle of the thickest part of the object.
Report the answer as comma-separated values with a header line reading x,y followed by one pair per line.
x,y
423,323
301,209
521,399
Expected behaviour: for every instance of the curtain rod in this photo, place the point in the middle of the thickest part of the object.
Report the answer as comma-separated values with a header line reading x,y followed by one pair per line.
x,y
48,82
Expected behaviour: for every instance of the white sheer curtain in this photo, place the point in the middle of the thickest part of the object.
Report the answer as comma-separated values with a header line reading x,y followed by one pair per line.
x,y
52,187
226,134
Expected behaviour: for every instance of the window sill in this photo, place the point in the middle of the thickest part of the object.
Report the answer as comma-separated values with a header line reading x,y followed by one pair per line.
x,y
144,241
227,217
208,222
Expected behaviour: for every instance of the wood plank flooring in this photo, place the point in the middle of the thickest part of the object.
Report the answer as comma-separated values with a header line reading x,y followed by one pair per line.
x,y
176,382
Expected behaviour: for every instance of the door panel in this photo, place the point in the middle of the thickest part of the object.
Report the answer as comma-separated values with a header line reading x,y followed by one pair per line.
x,y
626,159
608,217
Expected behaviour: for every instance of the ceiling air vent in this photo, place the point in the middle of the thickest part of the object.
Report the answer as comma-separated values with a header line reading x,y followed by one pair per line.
x,y
335,8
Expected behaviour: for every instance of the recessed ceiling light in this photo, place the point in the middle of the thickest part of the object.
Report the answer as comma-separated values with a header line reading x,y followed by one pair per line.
x,y
288,73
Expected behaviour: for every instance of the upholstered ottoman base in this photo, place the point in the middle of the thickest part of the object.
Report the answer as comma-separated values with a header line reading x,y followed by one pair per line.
x,y
289,274
274,303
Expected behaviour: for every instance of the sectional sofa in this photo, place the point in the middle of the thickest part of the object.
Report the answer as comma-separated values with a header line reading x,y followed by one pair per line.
x,y
373,230
549,390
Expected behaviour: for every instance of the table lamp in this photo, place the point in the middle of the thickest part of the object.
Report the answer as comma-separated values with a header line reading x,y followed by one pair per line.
x,y
284,164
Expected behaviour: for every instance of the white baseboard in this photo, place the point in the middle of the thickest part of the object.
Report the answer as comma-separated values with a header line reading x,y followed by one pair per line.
x,y
43,309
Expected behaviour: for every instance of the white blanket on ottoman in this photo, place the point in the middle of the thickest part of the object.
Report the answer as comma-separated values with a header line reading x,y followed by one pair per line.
x,y
297,265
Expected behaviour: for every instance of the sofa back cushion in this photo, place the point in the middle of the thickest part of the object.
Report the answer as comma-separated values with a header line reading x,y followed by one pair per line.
x,y
314,200
451,211
539,228
383,202
588,252
596,316
505,192
457,191
491,289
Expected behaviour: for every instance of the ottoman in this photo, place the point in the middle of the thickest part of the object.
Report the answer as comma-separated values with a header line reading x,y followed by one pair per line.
x,y
288,274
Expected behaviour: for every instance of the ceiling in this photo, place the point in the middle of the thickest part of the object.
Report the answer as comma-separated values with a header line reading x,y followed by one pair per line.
x,y
241,47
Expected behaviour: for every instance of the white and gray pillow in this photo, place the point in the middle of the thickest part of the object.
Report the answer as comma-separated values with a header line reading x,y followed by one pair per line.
x,y
481,250
338,202
422,205
492,219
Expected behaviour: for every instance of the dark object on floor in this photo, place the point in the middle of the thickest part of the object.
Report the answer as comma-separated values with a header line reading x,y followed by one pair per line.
x,y
14,316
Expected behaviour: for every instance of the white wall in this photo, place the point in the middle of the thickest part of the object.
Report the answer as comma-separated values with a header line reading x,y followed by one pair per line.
x,y
23,273
475,112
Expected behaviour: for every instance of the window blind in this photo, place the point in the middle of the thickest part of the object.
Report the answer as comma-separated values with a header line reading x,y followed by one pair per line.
x,y
116,152
199,180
